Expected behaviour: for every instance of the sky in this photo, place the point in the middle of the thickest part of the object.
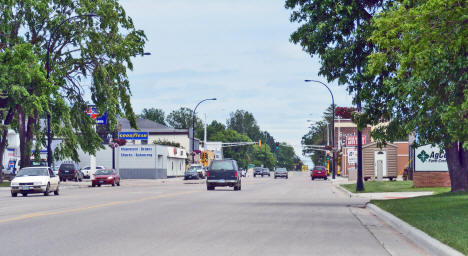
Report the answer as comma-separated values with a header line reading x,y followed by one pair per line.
x,y
237,51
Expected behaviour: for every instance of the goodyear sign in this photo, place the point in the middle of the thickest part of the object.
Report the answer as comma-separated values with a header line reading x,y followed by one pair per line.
x,y
133,135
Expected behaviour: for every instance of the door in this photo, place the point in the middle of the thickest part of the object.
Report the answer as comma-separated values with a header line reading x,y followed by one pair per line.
x,y
380,164
54,180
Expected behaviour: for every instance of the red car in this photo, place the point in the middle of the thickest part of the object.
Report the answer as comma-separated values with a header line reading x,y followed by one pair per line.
x,y
105,177
319,172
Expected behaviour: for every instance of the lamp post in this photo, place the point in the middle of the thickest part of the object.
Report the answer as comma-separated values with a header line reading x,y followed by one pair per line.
x,y
333,125
49,136
193,127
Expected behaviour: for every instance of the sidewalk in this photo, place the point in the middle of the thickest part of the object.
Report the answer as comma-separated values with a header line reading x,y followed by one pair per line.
x,y
380,195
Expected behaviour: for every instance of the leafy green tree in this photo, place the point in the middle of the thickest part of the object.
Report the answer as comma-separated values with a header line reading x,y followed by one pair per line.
x,y
182,119
25,89
338,33
285,156
421,46
213,129
240,153
262,156
244,122
154,114
89,56
317,135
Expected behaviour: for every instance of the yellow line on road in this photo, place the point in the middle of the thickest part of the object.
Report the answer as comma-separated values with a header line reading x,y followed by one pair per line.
x,y
50,213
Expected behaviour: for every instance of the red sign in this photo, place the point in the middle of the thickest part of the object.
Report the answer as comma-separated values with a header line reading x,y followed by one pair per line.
x,y
91,112
351,141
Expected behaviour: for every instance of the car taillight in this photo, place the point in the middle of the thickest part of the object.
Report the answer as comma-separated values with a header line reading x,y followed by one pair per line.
x,y
207,174
74,171
235,174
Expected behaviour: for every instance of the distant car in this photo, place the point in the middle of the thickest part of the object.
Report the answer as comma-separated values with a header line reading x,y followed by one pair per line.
x,y
32,180
199,168
319,172
281,172
258,171
266,171
87,172
105,177
223,173
191,174
70,171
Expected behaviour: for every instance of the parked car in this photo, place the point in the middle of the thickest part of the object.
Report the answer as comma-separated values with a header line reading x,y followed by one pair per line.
x,y
223,173
199,168
266,171
31,180
106,177
319,172
70,171
258,171
281,172
87,172
191,174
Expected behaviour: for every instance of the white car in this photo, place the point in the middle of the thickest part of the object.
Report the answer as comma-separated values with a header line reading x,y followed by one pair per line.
x,y
199,168
32,180
87,172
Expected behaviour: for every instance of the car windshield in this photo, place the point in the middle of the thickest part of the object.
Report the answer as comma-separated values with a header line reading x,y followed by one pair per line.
x,y
32,172
195,168
104,172
67,167
39,163
191,170
222,165
257,169
319,168
281,170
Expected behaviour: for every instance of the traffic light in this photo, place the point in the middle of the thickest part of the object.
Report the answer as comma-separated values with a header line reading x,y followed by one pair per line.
x,y
260,143
277,145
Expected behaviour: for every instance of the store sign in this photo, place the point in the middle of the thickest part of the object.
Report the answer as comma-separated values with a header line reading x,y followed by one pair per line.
x,y
133,135
430,159
352,156
94,114
351,141
137,157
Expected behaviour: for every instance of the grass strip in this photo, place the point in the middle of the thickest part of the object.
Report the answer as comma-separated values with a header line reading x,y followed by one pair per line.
x,y
392,186
442,216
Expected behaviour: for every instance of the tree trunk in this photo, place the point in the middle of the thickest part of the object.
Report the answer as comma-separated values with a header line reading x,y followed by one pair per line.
x,y
457,161
4,133
24,156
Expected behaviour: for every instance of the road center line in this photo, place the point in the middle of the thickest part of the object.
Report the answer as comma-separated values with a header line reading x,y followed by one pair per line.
x,y
81,209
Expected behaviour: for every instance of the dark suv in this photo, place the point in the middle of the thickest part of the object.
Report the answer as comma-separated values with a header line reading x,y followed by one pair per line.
x,y
70,171
223,173
258,171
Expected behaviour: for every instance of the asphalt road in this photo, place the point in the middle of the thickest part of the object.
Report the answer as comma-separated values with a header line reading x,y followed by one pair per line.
x,y
267,217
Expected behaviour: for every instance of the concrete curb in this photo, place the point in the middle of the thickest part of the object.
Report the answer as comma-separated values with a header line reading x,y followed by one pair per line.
x,y
342,189
417,236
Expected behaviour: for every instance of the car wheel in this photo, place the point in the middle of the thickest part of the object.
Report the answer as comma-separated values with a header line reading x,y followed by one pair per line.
x,y
313,178
25,194
99,185
118,184
47,190
326,178
14,194
56,192
236,188
93,185
275,177
210,187
113,183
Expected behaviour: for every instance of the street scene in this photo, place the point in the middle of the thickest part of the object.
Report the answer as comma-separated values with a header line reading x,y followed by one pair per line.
x,y
284,127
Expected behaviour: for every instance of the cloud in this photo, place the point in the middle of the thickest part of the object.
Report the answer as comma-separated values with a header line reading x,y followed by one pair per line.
x,y
236,51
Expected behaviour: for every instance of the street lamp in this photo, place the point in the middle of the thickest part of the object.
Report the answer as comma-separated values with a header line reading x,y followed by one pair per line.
x,y
193,127
49,136
333,124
